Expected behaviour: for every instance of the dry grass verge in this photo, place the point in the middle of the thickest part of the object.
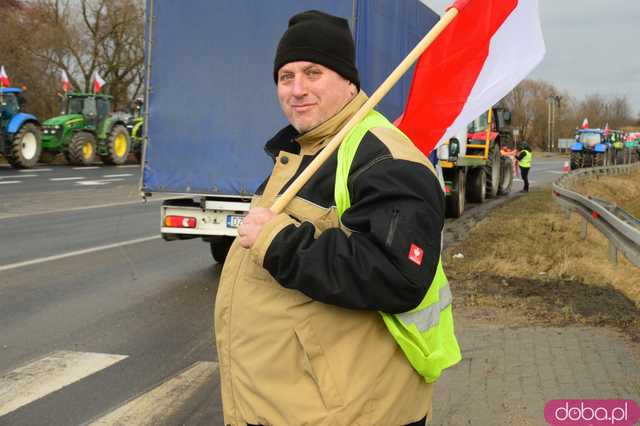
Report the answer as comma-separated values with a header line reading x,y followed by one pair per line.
x,y
527,255
624,190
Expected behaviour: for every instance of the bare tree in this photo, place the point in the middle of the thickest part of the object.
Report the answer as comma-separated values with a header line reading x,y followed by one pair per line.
x,y
88,36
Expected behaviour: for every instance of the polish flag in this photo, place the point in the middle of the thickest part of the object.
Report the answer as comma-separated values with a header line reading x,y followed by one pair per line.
x,y
98,82
66,85
606,129
489,47
585,123
4,78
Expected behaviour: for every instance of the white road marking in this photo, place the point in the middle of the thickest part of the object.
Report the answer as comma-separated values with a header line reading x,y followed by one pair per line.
x,y
152,407
98,182
40,378
115,176
66,178
6,182
128,166
13,177
76,253
35,170
86,168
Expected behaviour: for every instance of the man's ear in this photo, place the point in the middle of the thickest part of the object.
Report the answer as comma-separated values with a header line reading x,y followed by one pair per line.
x,y
352,89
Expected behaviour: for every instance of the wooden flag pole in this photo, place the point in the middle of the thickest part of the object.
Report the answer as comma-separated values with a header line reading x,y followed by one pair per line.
x,y
375,98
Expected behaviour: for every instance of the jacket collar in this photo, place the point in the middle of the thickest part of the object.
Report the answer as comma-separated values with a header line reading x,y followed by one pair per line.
x,y
288,139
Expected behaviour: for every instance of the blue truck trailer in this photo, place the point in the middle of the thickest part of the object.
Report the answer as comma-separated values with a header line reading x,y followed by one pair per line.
x,y
212,101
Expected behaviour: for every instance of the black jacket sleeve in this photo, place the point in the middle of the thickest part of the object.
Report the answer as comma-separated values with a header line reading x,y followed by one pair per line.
x,y
390,258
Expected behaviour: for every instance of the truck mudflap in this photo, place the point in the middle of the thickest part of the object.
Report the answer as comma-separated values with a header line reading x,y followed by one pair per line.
x,y
192,218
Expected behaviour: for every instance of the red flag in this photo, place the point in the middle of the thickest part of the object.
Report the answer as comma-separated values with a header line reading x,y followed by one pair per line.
x,y
4,78
585,123
98,82
66,85
606,130
489,47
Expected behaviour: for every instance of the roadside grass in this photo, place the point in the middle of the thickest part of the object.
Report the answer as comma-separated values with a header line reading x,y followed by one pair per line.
x,y
527,255
624,190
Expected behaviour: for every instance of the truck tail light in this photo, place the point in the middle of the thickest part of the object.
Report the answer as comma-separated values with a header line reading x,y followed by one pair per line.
x,y
180,222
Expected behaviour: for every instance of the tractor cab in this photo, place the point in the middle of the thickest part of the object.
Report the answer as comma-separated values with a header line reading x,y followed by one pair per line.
x,y
589,138
10,102
94,108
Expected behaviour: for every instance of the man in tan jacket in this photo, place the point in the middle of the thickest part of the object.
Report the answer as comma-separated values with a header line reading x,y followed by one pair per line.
x,y
299,337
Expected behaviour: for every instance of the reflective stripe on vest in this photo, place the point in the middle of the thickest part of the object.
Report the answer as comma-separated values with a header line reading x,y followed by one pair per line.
x,y
430,316
426,333
526,160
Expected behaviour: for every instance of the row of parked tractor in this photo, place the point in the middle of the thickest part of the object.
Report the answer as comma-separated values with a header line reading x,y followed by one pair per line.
x,y
604,147
87,130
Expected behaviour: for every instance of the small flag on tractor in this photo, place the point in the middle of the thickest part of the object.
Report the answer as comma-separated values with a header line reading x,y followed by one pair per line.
x,y
4,78
98,82
66,85
606,130
585,123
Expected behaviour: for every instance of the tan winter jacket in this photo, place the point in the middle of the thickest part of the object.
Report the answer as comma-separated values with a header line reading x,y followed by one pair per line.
x,y
287,359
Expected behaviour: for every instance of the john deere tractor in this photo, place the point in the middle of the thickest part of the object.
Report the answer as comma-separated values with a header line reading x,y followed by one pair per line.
x,y
86,130
20,137
135,124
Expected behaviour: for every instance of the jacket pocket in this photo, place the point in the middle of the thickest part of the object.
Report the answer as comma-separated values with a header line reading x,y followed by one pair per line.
x,y
315,363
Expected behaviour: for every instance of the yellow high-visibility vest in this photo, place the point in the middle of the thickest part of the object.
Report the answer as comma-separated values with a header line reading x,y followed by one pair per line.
x,y
426,333
526,160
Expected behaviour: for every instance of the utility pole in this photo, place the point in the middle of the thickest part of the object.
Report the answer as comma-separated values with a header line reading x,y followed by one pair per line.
x,y
553,102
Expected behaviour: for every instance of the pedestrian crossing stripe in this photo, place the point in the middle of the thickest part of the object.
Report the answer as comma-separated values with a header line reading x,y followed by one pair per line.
x,y
152,407
49,374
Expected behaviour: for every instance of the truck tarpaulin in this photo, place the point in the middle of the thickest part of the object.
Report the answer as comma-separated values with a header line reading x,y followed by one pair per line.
x,y
211,97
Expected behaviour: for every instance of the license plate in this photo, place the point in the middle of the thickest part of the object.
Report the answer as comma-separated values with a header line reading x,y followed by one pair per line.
x,y
234,221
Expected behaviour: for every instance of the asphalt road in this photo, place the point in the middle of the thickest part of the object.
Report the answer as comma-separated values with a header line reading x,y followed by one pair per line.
x,y
101,321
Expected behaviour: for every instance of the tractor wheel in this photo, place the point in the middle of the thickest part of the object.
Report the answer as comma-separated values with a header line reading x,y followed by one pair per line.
x,y
598,160
47,157
82,149
220,247
26,147
506,176
455,201
619,156
118,146
492,170
477,185
577,160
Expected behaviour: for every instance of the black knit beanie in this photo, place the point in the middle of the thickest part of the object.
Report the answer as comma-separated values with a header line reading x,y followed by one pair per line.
x,y
321,38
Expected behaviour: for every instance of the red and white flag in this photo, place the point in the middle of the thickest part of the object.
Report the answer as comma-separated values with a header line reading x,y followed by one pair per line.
x,y
585,123
4,78
66,85
489,47
98,82
606,129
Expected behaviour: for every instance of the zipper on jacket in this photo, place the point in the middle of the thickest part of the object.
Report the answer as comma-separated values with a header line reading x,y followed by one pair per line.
x,y
392,226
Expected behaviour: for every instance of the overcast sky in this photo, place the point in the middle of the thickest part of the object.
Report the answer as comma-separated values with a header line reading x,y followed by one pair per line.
x,y
593,46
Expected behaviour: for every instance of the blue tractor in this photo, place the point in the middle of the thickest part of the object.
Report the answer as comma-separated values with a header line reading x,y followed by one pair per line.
x,y
20,134
591,149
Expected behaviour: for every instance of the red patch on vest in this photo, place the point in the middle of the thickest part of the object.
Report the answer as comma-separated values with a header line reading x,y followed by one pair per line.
x,y
415,254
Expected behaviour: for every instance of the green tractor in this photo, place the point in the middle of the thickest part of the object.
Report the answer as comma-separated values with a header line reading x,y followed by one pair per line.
x,y
86,130
135,124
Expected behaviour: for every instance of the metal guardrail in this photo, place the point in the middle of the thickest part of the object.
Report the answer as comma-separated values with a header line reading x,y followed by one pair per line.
x,y
621,228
